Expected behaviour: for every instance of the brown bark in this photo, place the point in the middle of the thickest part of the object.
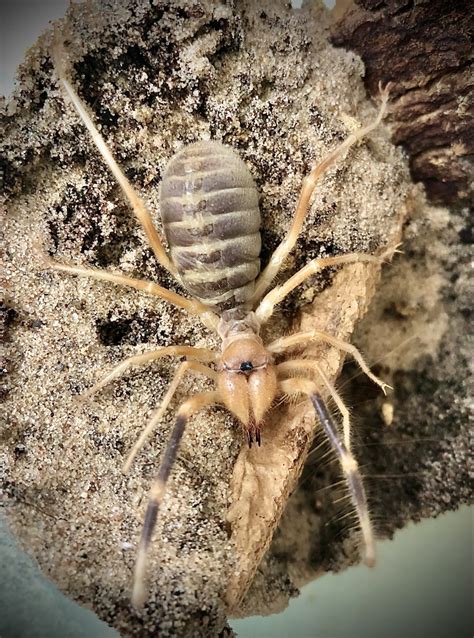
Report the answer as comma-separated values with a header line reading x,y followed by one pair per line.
x,y
425,49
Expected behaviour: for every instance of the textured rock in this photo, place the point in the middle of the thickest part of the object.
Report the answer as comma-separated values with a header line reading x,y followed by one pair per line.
x,y
25,594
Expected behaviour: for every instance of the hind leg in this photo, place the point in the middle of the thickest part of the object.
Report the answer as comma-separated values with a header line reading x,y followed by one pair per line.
x,y
135,201
307,190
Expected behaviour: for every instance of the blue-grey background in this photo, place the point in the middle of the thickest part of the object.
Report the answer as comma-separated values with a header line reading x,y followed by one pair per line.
x,y
422,585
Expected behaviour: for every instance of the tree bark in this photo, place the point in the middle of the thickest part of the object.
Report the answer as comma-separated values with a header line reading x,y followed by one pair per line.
x,y
425,49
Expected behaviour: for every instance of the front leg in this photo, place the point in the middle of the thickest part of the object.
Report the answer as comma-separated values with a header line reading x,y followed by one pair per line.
x,y
158,487
348,463
201,354
184,367
310,364
280,345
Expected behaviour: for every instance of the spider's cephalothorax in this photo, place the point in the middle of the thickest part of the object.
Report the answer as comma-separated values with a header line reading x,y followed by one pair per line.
x,y
247,382
211,219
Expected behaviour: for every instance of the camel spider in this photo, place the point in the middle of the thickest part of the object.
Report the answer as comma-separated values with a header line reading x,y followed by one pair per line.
x,y
211,219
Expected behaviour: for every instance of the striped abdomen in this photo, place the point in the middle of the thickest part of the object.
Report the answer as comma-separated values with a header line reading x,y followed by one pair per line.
x,y
209,207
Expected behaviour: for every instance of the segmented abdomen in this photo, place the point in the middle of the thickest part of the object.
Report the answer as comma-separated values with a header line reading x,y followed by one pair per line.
x,y
211,218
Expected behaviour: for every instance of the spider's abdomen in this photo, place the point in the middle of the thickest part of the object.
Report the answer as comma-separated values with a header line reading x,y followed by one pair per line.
x,y
211,219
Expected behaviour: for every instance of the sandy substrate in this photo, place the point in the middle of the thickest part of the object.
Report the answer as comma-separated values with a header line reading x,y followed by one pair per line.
x,y
267,83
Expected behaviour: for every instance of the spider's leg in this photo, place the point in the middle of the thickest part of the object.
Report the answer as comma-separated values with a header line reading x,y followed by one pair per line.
x,y
156,417
265,308
346,459
311,364
192,306
134,199
158,487
201,354
307,190
279,345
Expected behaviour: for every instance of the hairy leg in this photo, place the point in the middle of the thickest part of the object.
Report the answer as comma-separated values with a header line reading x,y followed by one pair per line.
x,y
307,190
192,306
134,199
265,308
157,490
310,364
202,354
279,345
347,461
156,417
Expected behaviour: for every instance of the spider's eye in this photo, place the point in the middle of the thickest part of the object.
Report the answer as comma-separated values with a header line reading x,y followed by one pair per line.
x,y
246,366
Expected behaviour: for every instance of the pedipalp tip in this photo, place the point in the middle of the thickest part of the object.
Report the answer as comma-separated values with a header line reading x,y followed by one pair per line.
x,y
384,90
370,560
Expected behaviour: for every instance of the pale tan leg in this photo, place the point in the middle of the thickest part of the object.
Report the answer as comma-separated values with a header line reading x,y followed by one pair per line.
x,y
316,335
192,306
201,354
265,308
348,462
157,491
134,199
156,417
298,364
307,190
